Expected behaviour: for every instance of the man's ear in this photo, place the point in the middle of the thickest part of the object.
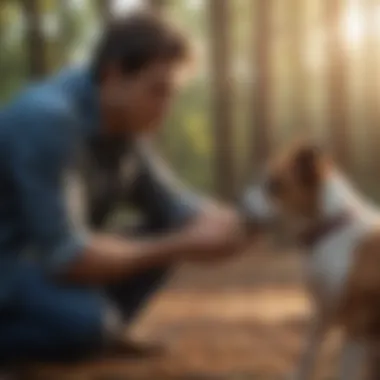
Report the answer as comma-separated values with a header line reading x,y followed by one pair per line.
x,y
308,164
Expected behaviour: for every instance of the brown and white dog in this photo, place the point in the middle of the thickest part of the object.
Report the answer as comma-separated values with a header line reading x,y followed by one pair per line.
x,y
340,234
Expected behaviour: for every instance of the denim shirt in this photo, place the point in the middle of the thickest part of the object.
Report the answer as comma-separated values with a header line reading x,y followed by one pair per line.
x,y
40,134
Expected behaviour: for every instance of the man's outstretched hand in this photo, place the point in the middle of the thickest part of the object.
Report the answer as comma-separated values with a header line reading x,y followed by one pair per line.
x,y
217,234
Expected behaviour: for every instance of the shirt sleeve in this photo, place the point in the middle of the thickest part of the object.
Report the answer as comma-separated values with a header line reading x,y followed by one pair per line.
x,y
40,147
164,201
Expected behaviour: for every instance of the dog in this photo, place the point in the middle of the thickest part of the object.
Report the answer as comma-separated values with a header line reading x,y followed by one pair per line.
x,y
339,232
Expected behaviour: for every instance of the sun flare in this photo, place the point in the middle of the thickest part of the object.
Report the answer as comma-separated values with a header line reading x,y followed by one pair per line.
x,y
353,26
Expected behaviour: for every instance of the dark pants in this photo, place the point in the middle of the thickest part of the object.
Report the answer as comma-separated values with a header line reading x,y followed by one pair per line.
x,y
49,321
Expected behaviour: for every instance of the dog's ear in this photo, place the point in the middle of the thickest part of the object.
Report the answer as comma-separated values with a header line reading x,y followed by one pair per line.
x,y
308,164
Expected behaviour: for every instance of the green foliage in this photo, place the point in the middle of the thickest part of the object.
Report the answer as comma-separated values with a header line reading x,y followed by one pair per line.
x,y
12,57
187,137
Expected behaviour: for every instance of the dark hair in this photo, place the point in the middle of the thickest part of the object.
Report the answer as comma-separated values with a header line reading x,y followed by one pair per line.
x,y
138,40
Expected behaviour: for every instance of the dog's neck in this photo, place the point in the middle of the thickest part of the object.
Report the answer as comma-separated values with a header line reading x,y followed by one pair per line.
x,y
339,202
338,196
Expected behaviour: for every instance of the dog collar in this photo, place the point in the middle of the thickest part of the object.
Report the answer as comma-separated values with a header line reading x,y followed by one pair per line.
x,y
313,235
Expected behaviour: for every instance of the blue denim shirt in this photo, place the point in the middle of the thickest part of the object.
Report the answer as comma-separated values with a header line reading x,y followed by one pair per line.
x,y
39,135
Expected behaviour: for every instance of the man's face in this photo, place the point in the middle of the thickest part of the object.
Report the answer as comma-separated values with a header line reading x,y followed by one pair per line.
x,y
138,103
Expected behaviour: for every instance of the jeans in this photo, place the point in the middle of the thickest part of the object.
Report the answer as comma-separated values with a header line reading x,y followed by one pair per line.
x,y
49,321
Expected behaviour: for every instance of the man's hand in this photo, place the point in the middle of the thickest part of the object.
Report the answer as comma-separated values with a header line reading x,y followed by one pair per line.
x,y
216,234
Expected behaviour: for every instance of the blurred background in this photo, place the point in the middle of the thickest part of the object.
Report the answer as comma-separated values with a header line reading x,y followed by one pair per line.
x,y
268,71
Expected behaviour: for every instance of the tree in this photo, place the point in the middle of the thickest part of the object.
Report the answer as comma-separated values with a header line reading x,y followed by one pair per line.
x,y
35,43
221,87
157,5
67,31
336,82
105,10
372,77
261,89
299,73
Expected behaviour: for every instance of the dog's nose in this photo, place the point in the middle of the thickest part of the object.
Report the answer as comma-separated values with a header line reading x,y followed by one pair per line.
x,y
246,209
256,207
244,204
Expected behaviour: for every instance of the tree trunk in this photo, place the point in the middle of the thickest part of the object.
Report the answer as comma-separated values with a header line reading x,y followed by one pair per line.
x,y
35,43
261,122
299,73
336,77
2,22
372,88
221,97
104,10
66,33
156,5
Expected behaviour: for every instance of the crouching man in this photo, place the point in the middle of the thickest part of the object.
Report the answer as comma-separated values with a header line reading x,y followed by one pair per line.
x,y
64,302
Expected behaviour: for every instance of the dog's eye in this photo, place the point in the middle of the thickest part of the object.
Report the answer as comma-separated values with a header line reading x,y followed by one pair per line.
x,y
274,187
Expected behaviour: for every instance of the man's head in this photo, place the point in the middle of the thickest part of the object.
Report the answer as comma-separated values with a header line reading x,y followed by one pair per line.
x,y
136,66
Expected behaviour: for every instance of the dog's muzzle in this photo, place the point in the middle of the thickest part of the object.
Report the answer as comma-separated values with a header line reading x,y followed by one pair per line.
x,y
256,208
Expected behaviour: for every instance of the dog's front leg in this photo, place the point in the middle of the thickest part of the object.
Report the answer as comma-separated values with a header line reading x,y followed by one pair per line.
x,y
353,356
311,350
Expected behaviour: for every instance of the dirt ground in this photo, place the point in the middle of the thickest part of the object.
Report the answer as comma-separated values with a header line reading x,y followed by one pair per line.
x,y
239,321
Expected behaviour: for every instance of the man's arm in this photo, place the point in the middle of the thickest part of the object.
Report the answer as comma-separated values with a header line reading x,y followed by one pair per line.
x,y
41,147
167,205
164,202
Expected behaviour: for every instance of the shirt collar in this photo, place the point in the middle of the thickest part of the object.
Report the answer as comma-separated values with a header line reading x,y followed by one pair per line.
x,y
79,84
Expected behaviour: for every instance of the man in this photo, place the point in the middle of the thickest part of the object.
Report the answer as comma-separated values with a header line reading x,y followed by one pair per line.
x,y
62,303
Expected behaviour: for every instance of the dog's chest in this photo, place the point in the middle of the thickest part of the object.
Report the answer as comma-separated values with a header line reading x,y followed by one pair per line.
x,y
329,262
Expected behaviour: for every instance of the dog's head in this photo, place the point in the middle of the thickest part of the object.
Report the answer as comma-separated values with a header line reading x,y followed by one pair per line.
x,y
290,187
